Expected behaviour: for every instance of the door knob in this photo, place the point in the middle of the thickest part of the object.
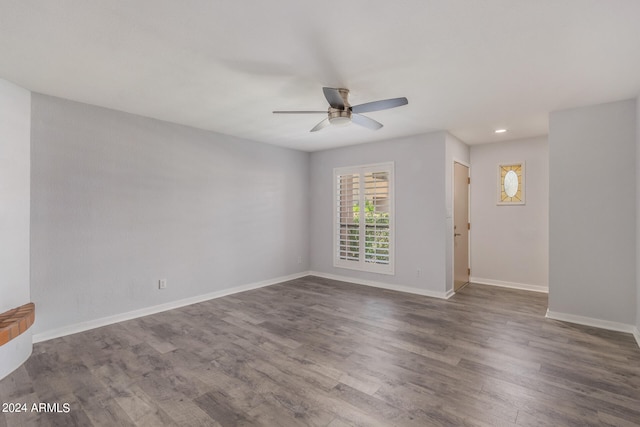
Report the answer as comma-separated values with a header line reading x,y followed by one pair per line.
x,y
456,234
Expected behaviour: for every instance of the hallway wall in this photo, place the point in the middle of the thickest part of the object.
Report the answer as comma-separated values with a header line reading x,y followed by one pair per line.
x,y
510,244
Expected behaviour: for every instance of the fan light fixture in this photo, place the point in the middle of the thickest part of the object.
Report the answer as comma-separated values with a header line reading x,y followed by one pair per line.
x,y
500,130
340,121
339,117
341,113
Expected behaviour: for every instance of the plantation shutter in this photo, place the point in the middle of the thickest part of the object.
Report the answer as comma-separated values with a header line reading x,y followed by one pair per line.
x,y
363,233
348,226
376,203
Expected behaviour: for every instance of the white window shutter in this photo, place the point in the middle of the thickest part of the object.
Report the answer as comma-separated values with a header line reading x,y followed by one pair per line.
x,y
363,223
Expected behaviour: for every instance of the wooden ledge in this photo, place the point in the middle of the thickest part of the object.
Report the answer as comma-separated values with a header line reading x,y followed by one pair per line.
x,y
16,321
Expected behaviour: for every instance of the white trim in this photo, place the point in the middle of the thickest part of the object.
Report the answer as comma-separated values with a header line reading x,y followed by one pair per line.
x,y
462,162
511,285
109,320
636,335
590,321
397,288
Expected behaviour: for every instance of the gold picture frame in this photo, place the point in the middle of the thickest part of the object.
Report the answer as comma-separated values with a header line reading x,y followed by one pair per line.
x,y
511,179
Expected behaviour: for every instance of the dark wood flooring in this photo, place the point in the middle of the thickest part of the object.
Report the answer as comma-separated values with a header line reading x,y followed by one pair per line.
x,y
324,353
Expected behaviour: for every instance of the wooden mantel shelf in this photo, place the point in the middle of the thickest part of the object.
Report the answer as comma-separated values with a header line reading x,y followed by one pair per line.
x,y
16,321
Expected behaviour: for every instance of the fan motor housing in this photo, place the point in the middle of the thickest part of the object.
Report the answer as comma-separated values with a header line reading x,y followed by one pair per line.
x,y
338,117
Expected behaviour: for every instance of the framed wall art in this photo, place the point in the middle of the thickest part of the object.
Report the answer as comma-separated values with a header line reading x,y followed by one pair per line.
x,y
511,184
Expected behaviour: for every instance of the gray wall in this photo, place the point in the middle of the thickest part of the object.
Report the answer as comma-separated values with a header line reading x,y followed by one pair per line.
x,y
592,239
120,201
638,219
510,244
419,207
15,112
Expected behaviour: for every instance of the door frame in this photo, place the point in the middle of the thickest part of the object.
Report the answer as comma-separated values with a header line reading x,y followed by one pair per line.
x,y
451,207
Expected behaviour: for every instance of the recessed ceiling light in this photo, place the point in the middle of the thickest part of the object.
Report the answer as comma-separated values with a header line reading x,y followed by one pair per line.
x,y
500,130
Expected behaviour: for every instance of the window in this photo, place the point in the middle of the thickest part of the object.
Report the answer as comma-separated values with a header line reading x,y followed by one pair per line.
x,y
511,184
363,223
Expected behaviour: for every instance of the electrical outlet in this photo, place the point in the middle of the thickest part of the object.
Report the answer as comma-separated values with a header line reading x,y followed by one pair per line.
x,y
418,272
162,284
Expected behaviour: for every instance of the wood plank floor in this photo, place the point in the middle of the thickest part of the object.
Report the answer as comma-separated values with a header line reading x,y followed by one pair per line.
x,y
324,353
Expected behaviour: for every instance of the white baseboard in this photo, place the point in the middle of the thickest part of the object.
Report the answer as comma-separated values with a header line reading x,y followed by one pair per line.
x,y
398,288
596,323
512,285
109,320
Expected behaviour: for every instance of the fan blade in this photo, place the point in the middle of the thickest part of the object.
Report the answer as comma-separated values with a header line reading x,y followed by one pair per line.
x,y
379,105
299,112
323,124
333,97
366,122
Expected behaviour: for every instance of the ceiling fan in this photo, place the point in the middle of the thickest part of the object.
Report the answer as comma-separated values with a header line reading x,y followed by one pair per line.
x,y
340,112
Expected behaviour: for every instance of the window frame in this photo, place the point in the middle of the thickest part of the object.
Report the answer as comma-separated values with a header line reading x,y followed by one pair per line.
x,y
361,264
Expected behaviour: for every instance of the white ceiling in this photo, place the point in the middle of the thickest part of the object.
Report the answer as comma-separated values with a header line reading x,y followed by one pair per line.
x,y
467,66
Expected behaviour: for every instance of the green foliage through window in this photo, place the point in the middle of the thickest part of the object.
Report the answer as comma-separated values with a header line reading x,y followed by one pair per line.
x,y
376,246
